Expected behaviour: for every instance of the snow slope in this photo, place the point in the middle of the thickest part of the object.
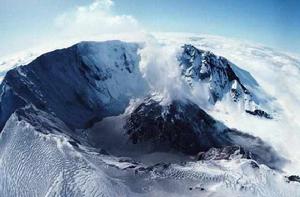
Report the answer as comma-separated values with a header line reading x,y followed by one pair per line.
x,y
80,84
44,163
38,160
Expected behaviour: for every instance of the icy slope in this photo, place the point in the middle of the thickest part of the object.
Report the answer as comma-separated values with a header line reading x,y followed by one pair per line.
x,y
38,160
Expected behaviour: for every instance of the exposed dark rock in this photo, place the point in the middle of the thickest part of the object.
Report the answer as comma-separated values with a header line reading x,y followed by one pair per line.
x,y
184,127
227,153
74,143
103,152
197,188
254,164
173,125
158,168
259,113
293,178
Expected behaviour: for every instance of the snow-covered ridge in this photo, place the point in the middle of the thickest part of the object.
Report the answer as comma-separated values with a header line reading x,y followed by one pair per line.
x,y
200,66
80,84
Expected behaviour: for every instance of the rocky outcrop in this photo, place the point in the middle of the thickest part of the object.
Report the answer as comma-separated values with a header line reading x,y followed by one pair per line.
x,y
227,152
183,126
198,66
293,178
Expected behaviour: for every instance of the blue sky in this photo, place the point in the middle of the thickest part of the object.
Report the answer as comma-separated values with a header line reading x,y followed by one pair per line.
x,y
275,23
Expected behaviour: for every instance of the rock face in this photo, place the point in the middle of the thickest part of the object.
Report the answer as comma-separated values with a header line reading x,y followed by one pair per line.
x,y
183,126
198,66
293,178
228,153
80,85
261,113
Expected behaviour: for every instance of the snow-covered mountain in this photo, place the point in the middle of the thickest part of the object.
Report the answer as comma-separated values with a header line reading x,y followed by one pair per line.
x,y
80,84
91,120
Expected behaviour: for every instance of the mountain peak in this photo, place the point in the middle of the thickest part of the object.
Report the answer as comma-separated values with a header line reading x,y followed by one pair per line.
x,y
199,66
80,84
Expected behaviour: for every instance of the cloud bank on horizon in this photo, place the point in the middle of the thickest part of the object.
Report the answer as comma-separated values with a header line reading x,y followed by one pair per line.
x,y
90,20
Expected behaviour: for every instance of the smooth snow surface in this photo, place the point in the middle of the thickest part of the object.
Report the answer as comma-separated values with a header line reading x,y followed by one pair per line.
x,y
46,164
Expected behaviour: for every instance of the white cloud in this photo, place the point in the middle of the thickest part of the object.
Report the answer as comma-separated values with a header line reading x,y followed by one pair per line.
x,y
103,4
159,67
93,20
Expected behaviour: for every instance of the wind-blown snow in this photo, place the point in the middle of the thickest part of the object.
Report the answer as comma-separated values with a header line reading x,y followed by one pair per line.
x,y
160,67
27,156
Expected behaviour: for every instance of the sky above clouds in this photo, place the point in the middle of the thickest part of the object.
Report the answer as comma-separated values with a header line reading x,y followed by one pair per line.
x,y
24,24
